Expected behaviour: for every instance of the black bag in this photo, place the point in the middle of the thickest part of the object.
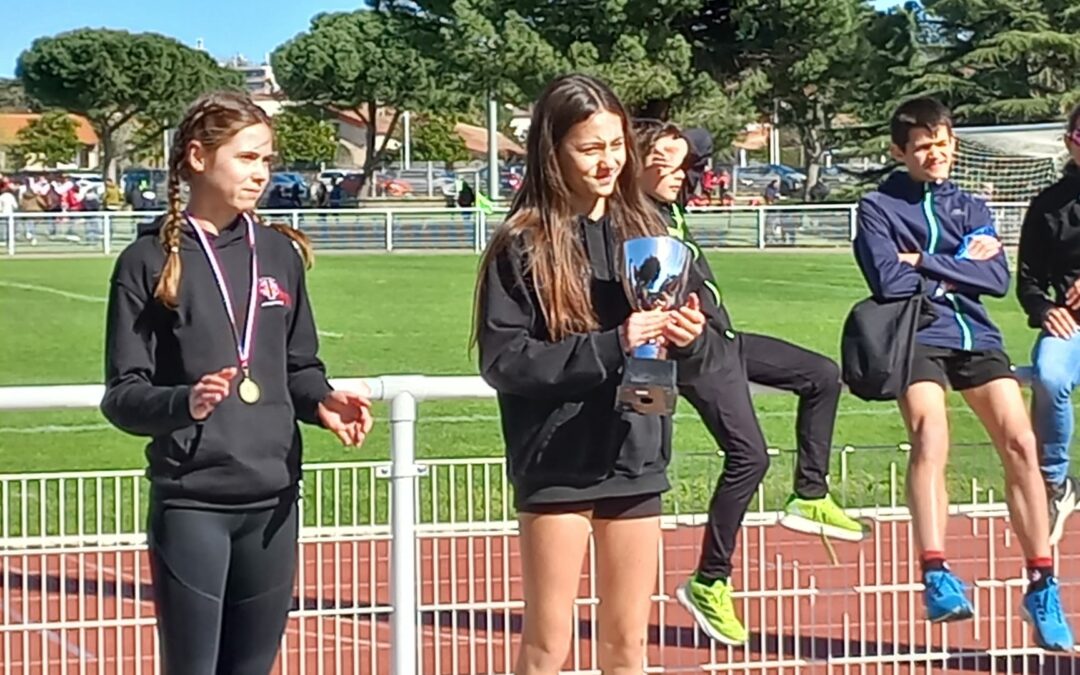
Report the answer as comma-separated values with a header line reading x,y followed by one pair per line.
x,y
877,345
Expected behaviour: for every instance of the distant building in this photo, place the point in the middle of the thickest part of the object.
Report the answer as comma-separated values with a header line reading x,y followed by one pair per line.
x,y
88,156
352,128
352,132
272,104
476,142
258,78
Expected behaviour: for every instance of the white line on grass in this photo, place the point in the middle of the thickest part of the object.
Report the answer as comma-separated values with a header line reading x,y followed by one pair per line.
x,y
793,282
55,291
92,298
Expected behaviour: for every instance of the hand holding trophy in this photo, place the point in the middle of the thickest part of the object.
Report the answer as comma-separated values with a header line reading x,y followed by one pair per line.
x,y
654,277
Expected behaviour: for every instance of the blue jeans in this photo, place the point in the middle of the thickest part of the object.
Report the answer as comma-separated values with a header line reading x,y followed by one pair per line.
x,y
1057,373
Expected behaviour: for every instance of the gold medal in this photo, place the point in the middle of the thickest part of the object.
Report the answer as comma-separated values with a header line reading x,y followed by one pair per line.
x,y
248,390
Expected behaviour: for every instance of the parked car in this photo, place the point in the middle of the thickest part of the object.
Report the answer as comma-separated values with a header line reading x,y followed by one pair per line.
x,y
756,177
329,176
836,174
417,182
152,185
279,193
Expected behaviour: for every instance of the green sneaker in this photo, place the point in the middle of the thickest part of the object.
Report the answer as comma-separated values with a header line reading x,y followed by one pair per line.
x,y
821,516
713,608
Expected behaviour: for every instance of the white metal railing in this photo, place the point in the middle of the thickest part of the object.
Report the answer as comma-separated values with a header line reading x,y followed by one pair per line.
x,y
780,580
422,229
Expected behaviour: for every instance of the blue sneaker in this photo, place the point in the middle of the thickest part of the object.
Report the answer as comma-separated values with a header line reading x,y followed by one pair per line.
x,y
1042,609
944,597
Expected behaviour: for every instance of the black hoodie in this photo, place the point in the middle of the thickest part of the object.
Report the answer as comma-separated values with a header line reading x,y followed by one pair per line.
x,y
701,149
1050,248
241,455
565,442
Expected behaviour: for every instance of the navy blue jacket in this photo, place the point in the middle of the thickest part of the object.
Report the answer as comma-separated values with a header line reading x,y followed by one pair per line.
x,y
905,216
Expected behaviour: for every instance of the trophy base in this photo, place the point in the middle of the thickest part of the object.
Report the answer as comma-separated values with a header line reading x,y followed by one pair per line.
x,y
648,387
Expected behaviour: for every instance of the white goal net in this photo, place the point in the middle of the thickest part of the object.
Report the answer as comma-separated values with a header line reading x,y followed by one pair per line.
x,y
1009,163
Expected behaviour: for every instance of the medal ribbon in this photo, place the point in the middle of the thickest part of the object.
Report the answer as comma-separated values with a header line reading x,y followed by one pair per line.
x,y
243,345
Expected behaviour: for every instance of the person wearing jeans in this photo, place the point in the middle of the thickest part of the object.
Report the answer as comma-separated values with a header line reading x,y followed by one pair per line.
x,y
1056,374
1049,291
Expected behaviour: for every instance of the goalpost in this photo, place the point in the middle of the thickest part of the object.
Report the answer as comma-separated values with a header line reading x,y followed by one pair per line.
x,y
1008,165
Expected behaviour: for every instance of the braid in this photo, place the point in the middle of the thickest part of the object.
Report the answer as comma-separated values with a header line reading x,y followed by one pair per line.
x,y
168,285
299,239
210,121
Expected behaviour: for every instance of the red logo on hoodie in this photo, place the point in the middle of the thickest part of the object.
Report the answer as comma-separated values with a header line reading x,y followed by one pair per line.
x,y
272,294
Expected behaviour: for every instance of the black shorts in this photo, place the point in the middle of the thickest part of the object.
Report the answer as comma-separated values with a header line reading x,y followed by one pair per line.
x,y
609,508
959,369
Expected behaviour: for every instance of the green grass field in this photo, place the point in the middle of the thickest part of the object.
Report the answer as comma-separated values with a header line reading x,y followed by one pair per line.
x,y
411,314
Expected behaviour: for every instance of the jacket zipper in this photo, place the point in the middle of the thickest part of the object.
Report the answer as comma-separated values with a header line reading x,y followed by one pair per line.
x,y
931,220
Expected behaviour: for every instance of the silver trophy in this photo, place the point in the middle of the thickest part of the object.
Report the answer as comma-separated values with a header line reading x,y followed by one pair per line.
x,y
655,272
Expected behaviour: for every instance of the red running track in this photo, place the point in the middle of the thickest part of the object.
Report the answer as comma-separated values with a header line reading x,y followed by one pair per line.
x,y
90,611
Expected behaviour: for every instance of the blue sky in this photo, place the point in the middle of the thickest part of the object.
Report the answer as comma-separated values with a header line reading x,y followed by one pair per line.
x,y
227,27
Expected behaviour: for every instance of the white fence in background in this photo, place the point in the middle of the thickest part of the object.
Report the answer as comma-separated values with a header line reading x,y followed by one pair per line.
x,y
410,566
448,229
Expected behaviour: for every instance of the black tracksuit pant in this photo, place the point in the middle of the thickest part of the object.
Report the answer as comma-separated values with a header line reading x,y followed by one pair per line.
x,y
223,586
723,400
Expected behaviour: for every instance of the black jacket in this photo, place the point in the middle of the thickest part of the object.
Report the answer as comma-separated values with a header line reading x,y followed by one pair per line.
x,y
712,303
242,454
1050,248
564,439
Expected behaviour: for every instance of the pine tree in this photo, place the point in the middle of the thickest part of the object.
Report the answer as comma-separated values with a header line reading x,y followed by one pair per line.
x,y
1006,60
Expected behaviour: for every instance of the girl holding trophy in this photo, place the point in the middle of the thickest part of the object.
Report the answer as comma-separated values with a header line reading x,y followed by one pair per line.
x,y
211,351
554,325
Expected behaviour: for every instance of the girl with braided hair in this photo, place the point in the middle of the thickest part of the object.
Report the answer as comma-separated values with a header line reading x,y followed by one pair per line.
x,y
211,351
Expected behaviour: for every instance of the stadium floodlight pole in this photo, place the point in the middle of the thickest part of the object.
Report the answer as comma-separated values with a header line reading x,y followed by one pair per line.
x,y
406,122
493,148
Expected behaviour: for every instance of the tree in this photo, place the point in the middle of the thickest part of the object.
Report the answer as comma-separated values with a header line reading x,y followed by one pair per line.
x,y
13,97
364,62
898,46
512,48
303,138
807,51
435,140
895,54
113,77
50,139
1007,60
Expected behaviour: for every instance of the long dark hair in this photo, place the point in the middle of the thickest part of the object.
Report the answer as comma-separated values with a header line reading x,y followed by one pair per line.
x,y
556,256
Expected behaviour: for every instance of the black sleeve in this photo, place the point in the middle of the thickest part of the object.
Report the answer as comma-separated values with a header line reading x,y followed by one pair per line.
x,y
306,372
1033,270
705,282
132,402
707,352
514,362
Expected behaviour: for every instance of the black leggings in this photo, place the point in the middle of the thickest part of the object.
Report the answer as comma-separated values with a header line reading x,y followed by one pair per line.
x,y
723,400
223,586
